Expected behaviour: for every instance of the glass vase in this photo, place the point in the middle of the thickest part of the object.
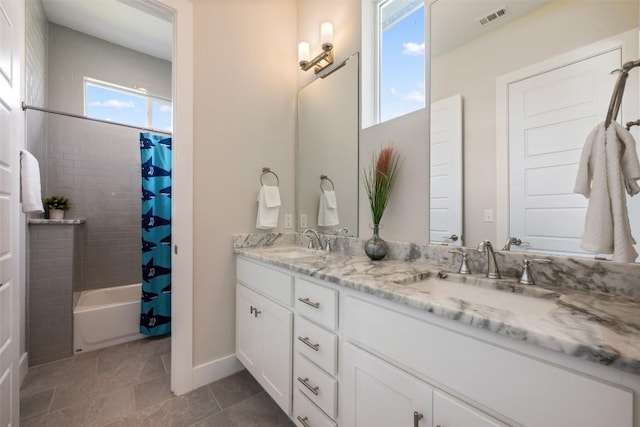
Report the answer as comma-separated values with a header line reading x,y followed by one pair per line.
x,y
376,248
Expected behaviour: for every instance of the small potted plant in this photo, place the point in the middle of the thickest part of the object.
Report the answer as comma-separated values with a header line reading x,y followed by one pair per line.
x,y
56,206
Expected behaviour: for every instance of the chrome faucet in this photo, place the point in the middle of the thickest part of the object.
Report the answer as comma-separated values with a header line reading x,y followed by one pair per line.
x,y
492,265
315,233
512,241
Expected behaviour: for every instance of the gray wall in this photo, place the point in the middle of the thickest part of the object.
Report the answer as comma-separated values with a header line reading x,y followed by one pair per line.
x,y
98,165
36,73
54,258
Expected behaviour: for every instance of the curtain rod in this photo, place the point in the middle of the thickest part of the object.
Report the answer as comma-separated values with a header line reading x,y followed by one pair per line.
x,y
26,107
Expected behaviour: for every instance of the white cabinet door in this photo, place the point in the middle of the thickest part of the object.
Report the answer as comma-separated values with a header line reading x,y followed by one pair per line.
x,y
264,332
277,350
247,329
448,412
377,394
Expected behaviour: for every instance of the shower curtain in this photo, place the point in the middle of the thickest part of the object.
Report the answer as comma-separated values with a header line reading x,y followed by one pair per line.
x,y
155,153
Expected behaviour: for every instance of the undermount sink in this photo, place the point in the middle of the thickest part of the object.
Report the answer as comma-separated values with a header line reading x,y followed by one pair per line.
x,y
293,252
494,298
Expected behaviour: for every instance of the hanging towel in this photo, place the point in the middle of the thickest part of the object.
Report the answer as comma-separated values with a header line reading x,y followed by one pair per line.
x,y
268,207
328,209
30,195
608,166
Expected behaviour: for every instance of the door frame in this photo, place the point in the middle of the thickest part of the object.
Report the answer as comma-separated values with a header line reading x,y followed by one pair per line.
x,y
624,41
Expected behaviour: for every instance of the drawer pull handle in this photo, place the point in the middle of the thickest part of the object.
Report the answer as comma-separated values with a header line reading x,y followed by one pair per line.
x,y
417,416
305,340
312,389
308,302
251,309
303,421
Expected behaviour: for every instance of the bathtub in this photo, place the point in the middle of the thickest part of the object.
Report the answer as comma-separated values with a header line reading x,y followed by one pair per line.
x,y
106,317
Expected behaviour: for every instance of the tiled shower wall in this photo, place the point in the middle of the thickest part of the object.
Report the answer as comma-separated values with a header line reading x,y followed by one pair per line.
x,y
98,165
36,72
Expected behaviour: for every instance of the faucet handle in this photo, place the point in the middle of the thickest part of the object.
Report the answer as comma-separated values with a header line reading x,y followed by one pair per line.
x,y
464,265
525,277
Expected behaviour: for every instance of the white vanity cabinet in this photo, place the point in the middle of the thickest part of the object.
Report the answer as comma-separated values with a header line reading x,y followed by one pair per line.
x,y
315,362
334,356
384,395
264,328
512,386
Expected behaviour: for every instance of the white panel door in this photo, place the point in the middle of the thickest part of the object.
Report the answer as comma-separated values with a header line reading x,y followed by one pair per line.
x,y
549,118
11,14
380,395
445,195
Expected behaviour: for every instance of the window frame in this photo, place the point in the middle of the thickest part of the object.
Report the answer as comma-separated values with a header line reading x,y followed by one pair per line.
x,y
378,5
149,99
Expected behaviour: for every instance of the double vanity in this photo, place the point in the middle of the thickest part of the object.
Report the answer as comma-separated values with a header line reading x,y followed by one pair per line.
x,y
339,340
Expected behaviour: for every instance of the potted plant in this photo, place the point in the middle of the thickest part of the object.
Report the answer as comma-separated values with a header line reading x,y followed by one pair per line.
x,y
379,179
56,206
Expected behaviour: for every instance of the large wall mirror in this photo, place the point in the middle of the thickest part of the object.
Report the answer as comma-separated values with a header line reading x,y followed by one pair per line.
x,y
525,81
327,151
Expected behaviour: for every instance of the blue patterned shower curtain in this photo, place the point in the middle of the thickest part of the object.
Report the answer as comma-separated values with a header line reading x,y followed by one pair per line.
x,y
155,153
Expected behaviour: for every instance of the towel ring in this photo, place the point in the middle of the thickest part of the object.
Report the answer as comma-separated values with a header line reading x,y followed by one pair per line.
x,y
265,171
322,179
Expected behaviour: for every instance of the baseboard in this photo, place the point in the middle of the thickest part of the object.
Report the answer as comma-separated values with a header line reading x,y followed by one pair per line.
x,y
215,370
24,366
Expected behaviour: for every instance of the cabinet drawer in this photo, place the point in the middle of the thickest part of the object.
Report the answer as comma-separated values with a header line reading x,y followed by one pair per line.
x,y
316,344
496,378
306,413
317,303
269,282
319,387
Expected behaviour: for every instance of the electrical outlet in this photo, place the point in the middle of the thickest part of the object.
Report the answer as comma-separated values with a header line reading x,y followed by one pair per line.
x,y
488,215
288,220
303,220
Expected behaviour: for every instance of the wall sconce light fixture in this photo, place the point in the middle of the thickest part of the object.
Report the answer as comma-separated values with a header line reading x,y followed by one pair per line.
x,y
322,60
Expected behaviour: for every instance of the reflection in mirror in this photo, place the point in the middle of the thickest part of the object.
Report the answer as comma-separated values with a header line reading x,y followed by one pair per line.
x,y
534,77
328,130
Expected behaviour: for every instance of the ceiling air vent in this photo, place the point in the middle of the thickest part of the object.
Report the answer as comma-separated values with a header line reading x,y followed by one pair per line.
x,y
501,12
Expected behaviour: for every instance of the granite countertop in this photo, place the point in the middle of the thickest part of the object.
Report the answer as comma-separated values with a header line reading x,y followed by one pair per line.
x,y
596,327
69,221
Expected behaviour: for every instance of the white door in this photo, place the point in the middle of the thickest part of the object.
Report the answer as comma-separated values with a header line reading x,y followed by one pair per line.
x,y
448,412
380,395
445,195
11,17
550,115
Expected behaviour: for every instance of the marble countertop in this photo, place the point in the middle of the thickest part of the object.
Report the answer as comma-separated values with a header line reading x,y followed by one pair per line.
x,y
601,328
70,221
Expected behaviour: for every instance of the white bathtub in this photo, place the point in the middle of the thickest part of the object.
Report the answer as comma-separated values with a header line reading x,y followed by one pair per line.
x,y
106,317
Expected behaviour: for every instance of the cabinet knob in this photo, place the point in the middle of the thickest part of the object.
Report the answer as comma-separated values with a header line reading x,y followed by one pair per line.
x,y
303,421
417,416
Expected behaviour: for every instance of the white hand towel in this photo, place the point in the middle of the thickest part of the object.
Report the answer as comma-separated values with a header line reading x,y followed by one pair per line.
x,y
30,195
608,166
268,207
328,209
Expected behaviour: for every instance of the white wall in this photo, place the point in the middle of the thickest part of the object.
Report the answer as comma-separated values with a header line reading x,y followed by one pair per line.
x,y
452,74
244,119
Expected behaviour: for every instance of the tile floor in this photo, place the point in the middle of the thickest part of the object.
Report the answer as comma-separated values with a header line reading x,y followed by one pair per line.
x,y
128,386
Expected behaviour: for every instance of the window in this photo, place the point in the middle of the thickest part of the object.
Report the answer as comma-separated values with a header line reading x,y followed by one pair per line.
x,y
110,102
401,57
